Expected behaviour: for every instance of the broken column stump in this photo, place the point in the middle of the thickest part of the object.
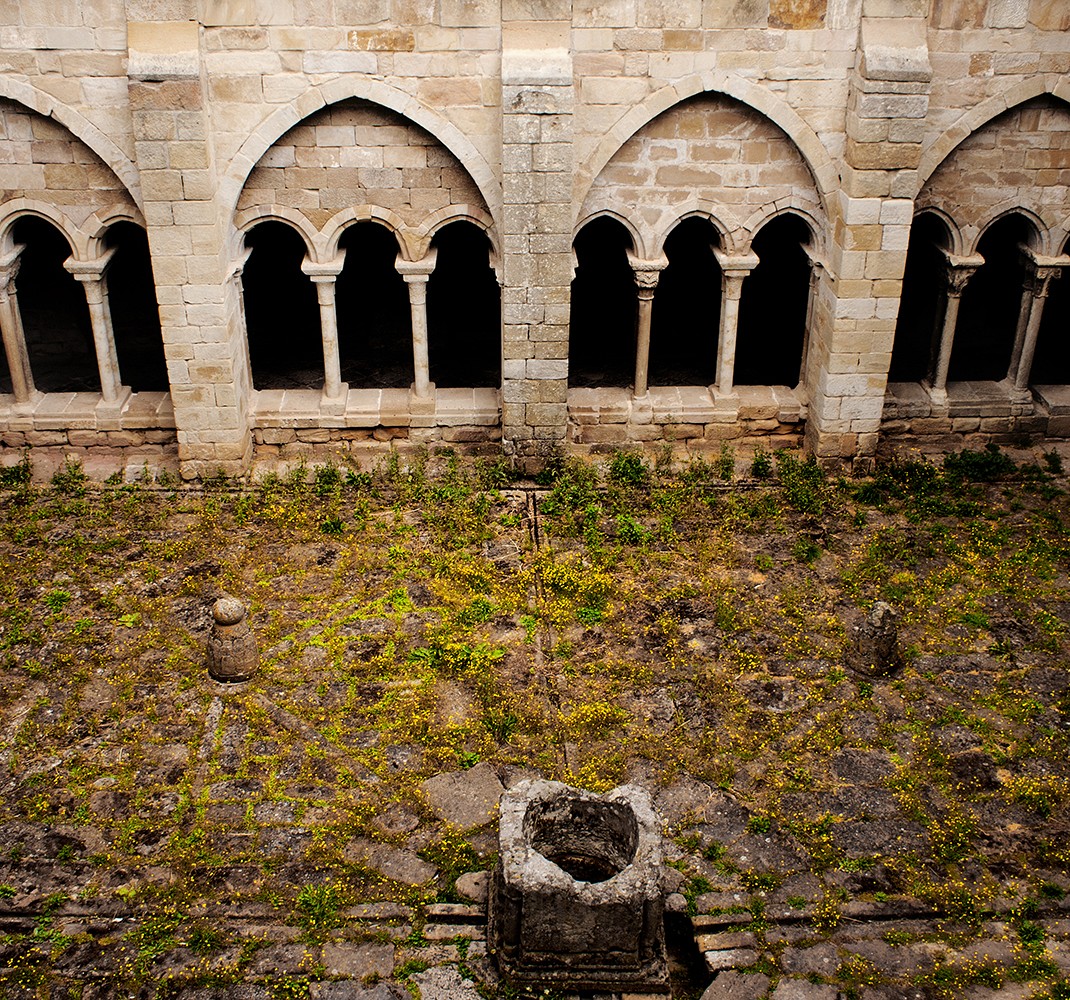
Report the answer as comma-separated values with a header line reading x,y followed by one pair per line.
x,y
576,901
872,646
233,654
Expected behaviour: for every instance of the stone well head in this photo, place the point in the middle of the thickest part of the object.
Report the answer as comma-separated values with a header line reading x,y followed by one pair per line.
x,y
576,901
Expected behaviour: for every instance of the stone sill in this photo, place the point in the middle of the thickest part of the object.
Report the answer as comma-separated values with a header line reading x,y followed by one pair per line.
x,y
376,408
1054,398
61,411
687,404
905,400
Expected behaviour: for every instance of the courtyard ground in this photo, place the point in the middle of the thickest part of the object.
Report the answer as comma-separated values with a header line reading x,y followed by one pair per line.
x,y
432,631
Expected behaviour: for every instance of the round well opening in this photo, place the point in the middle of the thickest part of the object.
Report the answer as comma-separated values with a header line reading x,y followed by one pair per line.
x,y
591,840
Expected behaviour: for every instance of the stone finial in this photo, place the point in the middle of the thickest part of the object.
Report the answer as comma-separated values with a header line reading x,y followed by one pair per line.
x,y
872,645
233,654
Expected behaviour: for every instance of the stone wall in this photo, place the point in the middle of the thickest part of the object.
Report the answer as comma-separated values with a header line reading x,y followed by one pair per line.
x,y
195,115
709,154
1021,159
684,418
355,154
43,162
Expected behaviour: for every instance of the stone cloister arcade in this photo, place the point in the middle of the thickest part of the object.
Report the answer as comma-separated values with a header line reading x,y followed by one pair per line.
x,y
366,278
984,325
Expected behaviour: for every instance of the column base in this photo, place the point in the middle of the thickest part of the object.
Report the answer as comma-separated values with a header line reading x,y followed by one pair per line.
x,y
108,411
937,397
725,406
335,406
1019,397
26,406
422,408
641,409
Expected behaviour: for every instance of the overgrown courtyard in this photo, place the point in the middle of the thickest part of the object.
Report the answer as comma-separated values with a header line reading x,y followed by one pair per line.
x,y
874,837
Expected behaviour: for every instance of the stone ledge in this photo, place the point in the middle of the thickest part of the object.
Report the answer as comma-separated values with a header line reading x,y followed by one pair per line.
x,y
87,411
370,408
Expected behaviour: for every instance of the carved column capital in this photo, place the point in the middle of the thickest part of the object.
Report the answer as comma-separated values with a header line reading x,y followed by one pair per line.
x,y
1041,271
323,272
237,266
957,272
9,269
734,269
647,273
417,271
1039,282
90,273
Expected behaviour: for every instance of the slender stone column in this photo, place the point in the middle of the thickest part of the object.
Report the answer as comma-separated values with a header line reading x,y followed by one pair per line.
x,y
957,273
734,269
325,278
91,274
1040,272
243,374
18,359
416,273
817,266
647,273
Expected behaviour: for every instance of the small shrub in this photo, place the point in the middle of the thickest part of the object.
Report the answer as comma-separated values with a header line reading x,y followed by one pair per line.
x,y
1049,890
726,462
803,482
500,723
589,616
1053,462
553,469
71,479
694,888
496,474
56,600
318,906
481,610
759,824
805,550
327,481
979,466
630,532
627,468
761,466
19,474
714,851
202,940
357,480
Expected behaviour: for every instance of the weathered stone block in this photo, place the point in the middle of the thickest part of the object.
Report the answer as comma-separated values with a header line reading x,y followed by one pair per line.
x,y
577,899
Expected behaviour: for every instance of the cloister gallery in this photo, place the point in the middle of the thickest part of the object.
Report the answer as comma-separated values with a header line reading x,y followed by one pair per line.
x,y
235,230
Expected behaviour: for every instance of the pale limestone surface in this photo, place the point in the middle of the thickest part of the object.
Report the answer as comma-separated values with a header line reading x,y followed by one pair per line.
x,y
198,118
